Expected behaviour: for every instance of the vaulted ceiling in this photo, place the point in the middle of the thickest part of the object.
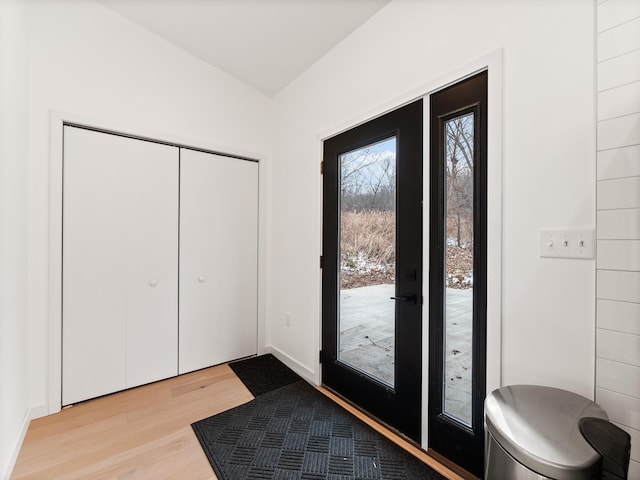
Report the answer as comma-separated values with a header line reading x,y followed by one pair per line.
x,y
264,43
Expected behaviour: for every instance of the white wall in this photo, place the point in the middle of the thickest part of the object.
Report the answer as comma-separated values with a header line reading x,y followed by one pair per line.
x,y
618,174
88,61
13,231
548,313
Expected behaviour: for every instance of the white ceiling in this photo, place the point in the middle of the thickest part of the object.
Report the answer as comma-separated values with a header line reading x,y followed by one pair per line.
x,y
264,43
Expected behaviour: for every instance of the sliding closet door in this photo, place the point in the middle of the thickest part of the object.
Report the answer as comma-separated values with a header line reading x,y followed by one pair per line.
x,y
120,263
218,259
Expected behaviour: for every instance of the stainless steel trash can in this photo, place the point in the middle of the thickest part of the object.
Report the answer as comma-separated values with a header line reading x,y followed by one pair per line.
x,y
533,432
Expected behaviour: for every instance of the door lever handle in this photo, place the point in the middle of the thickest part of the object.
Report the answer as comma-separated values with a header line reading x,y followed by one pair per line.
x,y
405,298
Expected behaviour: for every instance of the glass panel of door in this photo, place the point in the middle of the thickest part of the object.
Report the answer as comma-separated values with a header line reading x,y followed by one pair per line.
x,y
367,253
458,281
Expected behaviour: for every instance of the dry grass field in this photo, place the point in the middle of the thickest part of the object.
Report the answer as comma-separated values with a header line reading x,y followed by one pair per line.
x,y
367,251
367,248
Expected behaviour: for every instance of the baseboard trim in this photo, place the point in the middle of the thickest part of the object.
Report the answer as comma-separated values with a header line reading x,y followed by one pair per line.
x,y
6,475
294,365
39,411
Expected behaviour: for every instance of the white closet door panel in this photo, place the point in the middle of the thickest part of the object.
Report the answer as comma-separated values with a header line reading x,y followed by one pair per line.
x,y
201,294
94,305
152,260
218,259
120,263
240,257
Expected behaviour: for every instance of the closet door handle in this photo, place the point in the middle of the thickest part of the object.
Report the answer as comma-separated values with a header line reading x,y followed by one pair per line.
x,y
202,279
153,283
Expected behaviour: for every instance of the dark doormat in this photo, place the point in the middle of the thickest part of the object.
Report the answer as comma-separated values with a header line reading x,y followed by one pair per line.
x,y
263,374
297,433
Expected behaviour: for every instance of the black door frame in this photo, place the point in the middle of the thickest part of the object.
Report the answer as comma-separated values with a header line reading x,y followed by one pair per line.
x,y
401,406
457,442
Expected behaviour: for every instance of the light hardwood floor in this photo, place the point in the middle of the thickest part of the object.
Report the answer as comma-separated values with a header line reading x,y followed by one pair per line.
x,y
144,433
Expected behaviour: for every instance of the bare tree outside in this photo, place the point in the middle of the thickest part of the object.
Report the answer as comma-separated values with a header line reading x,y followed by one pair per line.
x,y
367,216
368,181
459,155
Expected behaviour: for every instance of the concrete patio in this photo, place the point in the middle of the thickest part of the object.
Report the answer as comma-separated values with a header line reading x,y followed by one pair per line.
x,y
367,340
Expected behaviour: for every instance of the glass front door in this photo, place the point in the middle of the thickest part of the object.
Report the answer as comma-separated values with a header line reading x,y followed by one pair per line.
x,y
372,278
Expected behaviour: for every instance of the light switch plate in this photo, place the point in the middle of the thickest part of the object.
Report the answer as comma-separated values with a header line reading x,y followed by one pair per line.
x,y
567,243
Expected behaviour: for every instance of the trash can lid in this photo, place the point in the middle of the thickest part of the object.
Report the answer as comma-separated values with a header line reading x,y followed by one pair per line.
x,y
539,427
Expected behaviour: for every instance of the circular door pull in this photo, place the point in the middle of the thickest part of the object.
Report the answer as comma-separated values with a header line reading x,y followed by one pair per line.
x,y
153,282
202,279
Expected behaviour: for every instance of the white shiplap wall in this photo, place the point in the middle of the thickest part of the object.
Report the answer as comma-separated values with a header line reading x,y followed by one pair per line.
x,y
618,217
